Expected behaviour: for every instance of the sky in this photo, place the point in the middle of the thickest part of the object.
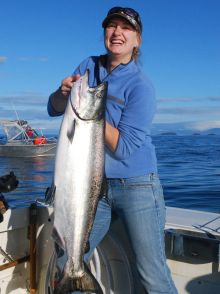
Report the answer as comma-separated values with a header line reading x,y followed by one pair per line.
x,y
43,41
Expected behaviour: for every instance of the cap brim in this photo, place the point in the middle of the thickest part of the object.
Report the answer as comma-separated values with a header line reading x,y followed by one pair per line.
x,y
124,16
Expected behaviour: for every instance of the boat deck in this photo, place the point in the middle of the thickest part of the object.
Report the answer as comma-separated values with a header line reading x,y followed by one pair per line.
x,y
193,220
192,248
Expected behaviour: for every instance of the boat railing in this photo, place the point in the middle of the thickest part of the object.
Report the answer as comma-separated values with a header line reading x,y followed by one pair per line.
x,y
19,131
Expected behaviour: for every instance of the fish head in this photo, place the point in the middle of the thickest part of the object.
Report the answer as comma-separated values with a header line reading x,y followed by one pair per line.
x,y
88,103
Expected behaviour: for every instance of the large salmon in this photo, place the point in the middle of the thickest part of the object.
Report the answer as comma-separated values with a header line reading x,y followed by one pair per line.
x,y
78,179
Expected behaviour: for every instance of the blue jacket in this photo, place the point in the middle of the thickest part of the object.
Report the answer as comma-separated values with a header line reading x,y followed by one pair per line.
x,y
130,108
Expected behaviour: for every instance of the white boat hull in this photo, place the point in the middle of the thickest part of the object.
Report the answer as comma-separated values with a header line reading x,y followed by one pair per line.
x,y
21,140
28,150
192,246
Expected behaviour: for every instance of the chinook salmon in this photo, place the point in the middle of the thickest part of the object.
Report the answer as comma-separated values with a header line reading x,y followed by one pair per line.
x,y
78,179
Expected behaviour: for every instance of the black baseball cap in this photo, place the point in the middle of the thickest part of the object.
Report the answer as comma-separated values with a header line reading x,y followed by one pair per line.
x,y
129,14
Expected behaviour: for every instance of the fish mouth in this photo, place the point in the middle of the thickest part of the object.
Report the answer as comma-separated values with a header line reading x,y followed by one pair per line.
x,y
88,104
78,115
87,116
97,117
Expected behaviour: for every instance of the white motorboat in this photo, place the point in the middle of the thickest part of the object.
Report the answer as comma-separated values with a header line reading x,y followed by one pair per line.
x,y
27,256
21,140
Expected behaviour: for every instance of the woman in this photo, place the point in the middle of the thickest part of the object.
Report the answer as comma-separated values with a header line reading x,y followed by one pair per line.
x,y
134,190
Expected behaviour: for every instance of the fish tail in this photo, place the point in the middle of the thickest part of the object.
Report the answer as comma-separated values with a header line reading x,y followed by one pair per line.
x,y
85,283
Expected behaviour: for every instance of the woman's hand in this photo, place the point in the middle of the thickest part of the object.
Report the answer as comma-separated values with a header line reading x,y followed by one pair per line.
x,y
58,99
67,83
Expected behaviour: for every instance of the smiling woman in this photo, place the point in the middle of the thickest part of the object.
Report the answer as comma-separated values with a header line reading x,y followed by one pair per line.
x,y
133,187
127,20
121,39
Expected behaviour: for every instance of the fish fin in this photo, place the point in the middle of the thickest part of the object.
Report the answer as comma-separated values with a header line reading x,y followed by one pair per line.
x,y
59,250
50,194
49,197
57,239
87,247
71,131
104,188
84,283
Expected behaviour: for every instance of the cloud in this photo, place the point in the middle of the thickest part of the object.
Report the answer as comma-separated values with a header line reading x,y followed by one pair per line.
x,y
204,125
43,59
3,59
174,100
24,58
24,113
23,99
187,127
189,110
214,98
173,110
187,99
38,117
31,58
30,106
46,124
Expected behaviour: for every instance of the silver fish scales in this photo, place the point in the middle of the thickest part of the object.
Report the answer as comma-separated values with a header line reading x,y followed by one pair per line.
x,y
78,179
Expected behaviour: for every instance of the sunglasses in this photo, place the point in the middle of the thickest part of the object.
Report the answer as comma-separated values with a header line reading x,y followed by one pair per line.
x,y
128,11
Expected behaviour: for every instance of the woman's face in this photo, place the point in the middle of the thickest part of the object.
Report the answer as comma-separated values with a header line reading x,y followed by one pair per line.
x,y
121,38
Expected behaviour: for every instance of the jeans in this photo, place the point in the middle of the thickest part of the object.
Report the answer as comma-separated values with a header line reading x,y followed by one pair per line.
x,y
139,202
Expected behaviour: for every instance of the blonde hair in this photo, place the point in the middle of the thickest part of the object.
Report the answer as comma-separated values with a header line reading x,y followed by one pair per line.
x,y
136,50
136,54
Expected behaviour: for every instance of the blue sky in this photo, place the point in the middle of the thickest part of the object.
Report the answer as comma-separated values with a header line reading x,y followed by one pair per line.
x,y
43,41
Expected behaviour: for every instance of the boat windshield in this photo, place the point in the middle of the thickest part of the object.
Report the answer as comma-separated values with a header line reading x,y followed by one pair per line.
x,y
18,130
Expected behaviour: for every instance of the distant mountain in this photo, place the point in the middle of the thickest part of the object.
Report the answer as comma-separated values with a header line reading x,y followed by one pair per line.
x,y
181,129
214,131
169,133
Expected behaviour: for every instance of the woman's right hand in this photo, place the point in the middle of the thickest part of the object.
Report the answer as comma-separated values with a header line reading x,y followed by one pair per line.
x,y
67,83
58,99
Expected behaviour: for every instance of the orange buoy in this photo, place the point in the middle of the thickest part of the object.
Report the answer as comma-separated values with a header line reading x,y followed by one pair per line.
x,y
40,140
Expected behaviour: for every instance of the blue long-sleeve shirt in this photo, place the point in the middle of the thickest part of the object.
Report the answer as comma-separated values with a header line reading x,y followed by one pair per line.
x,y
130,108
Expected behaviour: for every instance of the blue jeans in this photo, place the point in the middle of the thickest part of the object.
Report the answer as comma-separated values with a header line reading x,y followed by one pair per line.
x,y
139,203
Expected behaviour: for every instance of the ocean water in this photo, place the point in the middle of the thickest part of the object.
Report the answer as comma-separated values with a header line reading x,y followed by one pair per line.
x,y
189,168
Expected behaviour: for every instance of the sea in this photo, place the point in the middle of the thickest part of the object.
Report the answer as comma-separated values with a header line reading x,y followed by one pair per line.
x,y
189,169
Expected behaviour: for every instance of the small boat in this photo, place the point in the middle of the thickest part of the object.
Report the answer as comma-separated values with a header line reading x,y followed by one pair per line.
x,y
27,258
21,140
